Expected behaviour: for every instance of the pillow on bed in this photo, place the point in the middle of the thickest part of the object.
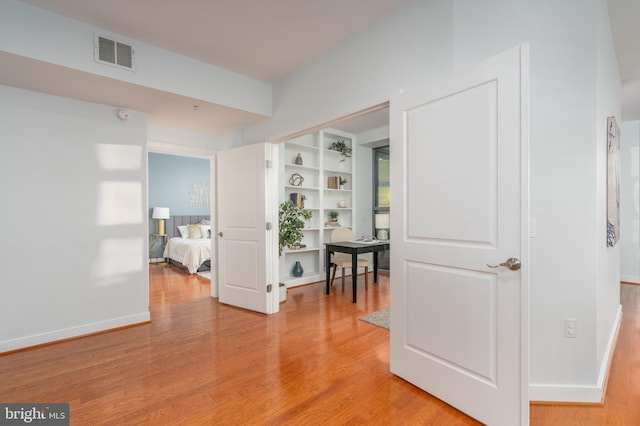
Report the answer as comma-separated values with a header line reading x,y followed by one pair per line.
x,y
184,233
194,231
206,231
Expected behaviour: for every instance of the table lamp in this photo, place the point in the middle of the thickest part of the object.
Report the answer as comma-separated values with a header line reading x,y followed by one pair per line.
x,y
382,226
160,213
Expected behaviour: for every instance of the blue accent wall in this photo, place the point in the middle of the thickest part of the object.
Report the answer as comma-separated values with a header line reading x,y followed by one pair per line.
x,y
171,180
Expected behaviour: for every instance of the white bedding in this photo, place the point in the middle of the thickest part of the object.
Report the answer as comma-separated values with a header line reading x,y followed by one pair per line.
x,y
190,252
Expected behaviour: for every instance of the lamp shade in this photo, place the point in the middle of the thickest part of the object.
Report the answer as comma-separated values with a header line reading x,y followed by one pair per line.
x,y
160,213
382,221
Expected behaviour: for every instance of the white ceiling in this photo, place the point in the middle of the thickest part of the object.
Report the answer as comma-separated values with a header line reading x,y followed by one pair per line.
x,y
263,39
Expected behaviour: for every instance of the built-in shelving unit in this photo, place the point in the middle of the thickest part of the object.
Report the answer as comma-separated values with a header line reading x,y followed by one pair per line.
x,y
321,168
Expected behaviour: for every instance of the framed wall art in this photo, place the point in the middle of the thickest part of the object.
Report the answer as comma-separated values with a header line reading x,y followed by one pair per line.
x,y
613,182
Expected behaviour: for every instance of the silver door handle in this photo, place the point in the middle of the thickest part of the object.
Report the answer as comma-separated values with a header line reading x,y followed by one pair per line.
x,y
512,263
220,234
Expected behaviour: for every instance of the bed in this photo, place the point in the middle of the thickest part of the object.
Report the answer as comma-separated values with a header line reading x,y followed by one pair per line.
x,y
189,243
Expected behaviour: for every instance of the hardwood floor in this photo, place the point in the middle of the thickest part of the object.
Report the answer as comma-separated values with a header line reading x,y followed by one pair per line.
x,y
201,362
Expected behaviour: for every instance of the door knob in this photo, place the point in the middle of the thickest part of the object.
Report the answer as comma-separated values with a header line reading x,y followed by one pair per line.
x,y
512,263
220,234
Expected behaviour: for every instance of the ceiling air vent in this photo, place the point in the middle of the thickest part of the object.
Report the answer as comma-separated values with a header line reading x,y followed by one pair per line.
x,y
107,51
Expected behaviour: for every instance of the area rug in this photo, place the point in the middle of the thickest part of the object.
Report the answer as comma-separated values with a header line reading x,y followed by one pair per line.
x,y
379,318
205,274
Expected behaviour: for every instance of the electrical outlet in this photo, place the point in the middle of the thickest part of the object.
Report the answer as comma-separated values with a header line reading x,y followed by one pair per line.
x,y
570,327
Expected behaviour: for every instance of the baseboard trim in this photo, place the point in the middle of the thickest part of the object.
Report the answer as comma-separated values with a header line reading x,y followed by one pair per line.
x,y
56,336
583,394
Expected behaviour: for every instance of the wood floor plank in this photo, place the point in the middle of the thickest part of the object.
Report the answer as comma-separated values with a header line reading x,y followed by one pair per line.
x,y
202,362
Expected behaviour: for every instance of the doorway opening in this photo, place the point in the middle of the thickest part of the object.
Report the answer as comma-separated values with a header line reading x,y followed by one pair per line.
x,y
308,155
179,182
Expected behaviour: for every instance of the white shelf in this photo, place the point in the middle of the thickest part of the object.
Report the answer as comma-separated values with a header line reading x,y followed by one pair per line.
x,y
303,167
306,278
301,250
336,172
300,145
319,163
310,188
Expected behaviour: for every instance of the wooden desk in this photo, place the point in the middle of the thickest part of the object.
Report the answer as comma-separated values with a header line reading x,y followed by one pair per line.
x,y
354,249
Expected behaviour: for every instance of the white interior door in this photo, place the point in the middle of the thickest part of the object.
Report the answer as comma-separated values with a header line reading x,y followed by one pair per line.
x,y
459,202
247,248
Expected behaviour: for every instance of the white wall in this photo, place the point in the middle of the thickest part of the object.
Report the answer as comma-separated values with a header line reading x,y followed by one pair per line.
x,y
171,140
572,91
406,49
364,198
562,170
573,88
74,202
629,202
609,310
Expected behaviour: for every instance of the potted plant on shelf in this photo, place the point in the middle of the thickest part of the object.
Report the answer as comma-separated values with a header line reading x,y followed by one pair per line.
x,y
342,148
292,219
343,182
333,219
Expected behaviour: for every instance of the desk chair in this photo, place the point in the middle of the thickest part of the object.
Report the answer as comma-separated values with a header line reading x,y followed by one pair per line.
x,y
344,260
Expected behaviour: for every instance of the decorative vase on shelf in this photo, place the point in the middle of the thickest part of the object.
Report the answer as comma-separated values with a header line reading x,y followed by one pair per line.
x,y
297,270
298,160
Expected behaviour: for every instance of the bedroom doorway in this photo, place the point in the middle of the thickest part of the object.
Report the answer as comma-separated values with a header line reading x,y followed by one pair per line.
x,y
179,179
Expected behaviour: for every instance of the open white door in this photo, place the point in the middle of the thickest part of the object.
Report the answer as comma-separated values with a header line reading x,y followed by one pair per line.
x,y
247,247
460,202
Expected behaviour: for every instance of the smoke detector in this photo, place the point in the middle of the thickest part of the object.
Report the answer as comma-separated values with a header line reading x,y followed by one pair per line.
x,y
123,114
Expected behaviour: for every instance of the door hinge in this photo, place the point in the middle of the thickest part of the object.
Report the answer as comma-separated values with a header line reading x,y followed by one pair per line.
x,y
269,288
269,226
269,164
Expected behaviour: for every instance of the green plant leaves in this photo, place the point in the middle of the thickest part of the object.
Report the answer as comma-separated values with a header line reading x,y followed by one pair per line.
x,y
292,220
